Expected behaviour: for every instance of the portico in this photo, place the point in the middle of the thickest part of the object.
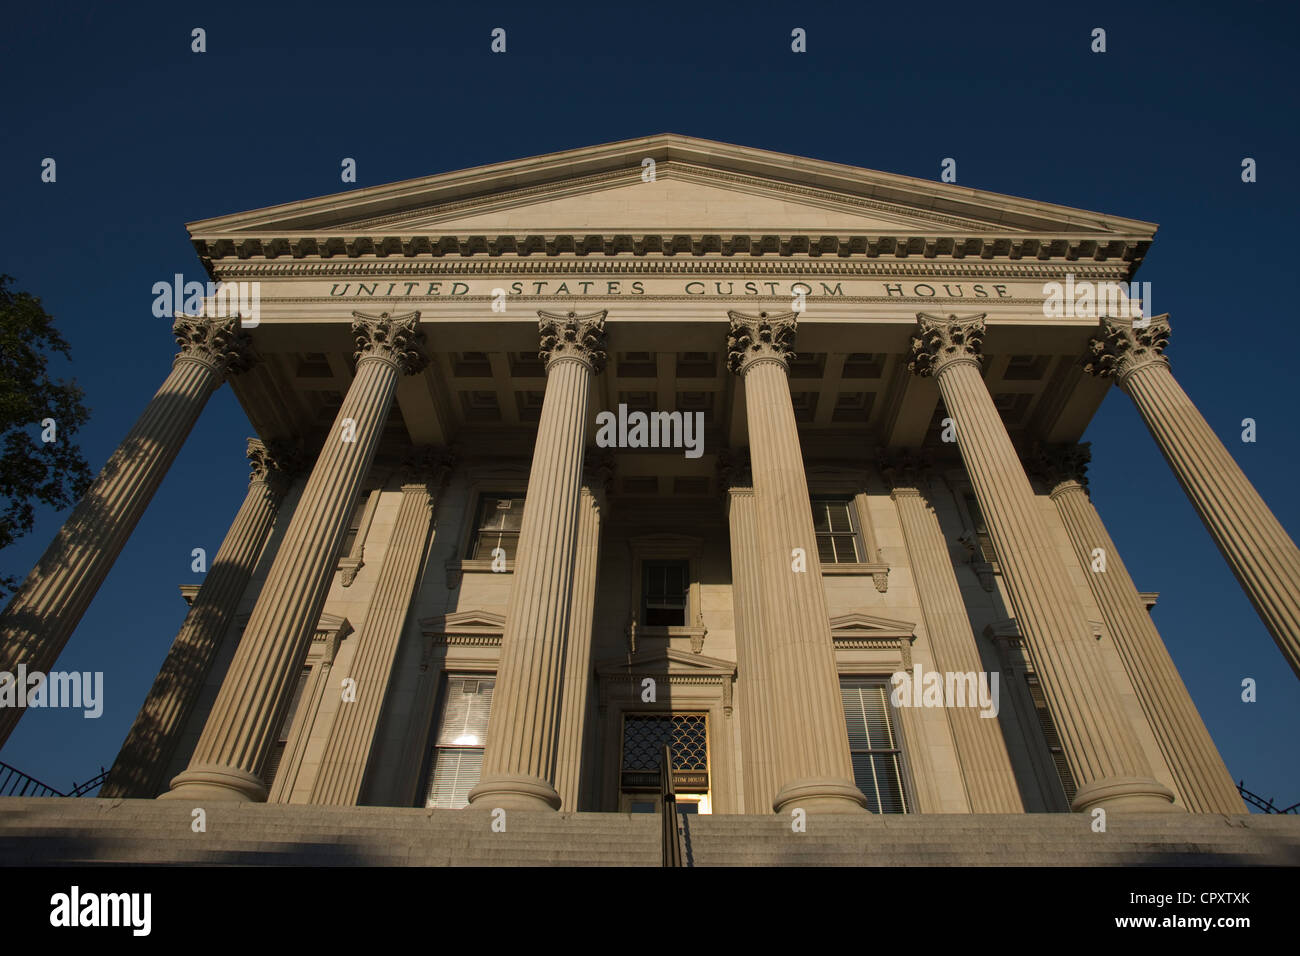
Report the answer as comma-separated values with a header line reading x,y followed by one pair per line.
x,y
445,589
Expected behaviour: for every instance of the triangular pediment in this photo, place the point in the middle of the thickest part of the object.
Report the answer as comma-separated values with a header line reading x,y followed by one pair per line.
x,y
665,660
471,622
698,188
859,623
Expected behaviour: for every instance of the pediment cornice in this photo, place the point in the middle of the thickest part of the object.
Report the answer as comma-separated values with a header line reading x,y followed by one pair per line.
x,y
900,217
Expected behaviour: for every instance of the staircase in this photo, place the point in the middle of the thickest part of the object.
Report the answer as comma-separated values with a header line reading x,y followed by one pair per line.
x,y
52,830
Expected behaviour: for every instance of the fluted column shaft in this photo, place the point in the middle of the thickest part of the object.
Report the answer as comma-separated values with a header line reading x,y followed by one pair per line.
x,y
347,752
756,732
577,668
519,760
142,763
1199,771
1262,556
47,607
814,767
241,728
1098,743
981,750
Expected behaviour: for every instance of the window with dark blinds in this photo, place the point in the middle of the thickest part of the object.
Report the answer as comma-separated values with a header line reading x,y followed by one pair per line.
x,y
837,537
458,741
282,736
873,744
1051,736
664,588
983,543
499,519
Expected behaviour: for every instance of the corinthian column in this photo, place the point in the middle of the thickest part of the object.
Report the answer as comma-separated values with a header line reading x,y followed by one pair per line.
x,y
1098,743
46,609
757,737
814,768
227,762
1262,556
347,753
520,756
147,752
981,750
577,667
1202,779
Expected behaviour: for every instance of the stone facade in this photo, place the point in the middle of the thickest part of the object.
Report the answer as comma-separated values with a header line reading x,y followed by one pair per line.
x,y
883,479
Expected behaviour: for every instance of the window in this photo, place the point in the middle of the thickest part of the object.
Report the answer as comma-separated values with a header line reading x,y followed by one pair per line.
x,y
837,537
644,737
1051,736
497,526
282,738
983,543
457,758
354,526
664,586
873,744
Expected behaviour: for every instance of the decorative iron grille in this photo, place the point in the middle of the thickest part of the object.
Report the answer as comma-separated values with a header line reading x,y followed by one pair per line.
x,y
644,737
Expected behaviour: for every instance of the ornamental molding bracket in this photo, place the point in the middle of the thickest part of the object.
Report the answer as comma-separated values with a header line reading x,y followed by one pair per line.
x,y
941,341
395,339
220,344
687,675
755,339
574,337
1124,346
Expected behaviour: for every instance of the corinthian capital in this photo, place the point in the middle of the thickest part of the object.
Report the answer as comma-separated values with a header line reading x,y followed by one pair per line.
x,y
573,336
275,462
905,469
941,341
396,339
753,339
1056,465
427,465
1124,346
220,344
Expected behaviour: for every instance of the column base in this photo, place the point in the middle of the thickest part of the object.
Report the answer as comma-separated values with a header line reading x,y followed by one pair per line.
x,y
515,792
216,783
1135,794
825,795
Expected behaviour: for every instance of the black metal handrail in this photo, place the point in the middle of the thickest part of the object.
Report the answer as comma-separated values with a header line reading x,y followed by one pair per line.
x,y
668,801
15,783
1267,806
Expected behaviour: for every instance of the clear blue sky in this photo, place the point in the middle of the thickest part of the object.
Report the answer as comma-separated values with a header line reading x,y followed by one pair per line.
x,y
148,135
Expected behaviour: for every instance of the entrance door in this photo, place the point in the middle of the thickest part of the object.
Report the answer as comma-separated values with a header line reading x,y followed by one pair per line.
x,y
644,736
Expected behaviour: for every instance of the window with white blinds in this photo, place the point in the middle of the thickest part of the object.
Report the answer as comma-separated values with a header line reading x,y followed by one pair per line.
x,y
458,742
282,736
874,746
837,533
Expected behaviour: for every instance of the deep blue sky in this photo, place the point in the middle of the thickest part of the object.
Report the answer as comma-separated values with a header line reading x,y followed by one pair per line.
x,y
148,136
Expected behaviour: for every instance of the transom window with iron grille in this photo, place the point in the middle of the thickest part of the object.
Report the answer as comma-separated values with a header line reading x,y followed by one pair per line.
x,y
461,735
687,737
837,533
497,526
874,746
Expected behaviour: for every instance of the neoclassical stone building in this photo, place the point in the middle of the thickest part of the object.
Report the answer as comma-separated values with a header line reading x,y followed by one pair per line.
x,y
448,584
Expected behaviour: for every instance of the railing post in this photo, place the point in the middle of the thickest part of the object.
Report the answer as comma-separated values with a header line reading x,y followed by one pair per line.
x,y
668,797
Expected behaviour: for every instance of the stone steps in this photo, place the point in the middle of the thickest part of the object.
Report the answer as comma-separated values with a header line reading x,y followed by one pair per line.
x,y
79,831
